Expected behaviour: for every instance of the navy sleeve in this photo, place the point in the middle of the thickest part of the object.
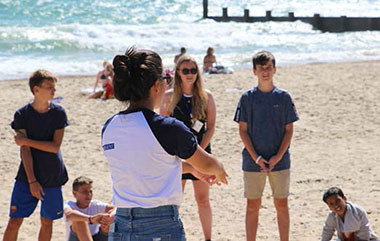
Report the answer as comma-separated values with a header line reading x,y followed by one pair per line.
x,y
173,135
61,120
18,121
241,111
291,112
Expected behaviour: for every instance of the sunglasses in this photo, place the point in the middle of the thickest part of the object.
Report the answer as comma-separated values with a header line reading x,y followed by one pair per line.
x,y
189,71
168,79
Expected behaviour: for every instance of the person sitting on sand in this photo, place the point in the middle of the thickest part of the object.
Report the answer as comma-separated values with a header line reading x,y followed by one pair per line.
x,y
209,60
348,219
86,219
105,77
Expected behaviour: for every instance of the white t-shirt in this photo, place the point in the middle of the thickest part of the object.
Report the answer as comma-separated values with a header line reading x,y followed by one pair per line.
x,y
143,173
95,207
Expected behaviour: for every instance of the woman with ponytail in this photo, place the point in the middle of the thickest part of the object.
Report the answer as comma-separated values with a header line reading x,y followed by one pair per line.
x,y
144,152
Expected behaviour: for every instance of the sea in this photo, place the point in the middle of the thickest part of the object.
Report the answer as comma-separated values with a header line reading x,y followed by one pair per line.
x,y
73,37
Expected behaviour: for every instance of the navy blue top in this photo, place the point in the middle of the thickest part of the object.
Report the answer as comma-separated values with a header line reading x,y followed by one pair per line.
x,y
173,135
183,111
266,115
48,167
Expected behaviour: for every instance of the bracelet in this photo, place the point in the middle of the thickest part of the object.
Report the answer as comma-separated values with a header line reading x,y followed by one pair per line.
x,y
89,220
35,180
258,159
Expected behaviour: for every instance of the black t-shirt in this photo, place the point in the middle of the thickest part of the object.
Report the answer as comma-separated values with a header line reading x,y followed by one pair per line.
x,y
183,111
48,167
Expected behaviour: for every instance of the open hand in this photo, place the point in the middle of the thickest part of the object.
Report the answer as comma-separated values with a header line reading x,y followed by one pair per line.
x,y
206,178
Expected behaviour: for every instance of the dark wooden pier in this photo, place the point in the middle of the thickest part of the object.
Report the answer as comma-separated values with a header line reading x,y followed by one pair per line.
x,y
325,24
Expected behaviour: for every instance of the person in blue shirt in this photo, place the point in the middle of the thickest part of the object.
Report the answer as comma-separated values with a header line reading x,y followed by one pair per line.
x,y
144,152
39,128
265,115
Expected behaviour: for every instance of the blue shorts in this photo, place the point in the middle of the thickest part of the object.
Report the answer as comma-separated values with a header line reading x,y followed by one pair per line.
x,y
160,223
23,203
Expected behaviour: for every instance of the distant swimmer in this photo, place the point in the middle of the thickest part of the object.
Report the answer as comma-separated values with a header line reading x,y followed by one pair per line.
x,y
183,51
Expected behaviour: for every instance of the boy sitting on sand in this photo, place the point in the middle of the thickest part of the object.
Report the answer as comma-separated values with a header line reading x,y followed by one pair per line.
x,y
86,219
348,219
39,127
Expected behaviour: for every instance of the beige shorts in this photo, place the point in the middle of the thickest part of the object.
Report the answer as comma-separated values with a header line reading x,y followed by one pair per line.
x,y
254,183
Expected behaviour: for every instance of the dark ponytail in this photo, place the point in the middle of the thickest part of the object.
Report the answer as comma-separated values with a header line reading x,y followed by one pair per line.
x,y
135,73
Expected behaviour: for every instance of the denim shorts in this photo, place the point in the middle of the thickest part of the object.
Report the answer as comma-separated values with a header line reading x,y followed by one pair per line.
x,y
142,224
100,236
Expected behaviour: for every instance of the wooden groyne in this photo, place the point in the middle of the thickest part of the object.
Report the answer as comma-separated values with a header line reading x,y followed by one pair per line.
x,y
325,24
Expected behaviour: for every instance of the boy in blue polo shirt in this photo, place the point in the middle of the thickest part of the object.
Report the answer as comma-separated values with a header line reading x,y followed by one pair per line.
x,y
39,127
265,115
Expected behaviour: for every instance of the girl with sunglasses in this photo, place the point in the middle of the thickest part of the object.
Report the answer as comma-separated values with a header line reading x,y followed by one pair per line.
x,y
143,150
190,103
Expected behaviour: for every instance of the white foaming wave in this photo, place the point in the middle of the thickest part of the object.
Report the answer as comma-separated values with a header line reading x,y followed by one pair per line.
x,y
10,67
234,43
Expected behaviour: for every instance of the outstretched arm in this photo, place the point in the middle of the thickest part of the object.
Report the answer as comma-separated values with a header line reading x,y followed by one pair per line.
x,y
208,164
206,178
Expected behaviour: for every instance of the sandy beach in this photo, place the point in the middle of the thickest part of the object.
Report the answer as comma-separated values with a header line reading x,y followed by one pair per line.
x,y
335,143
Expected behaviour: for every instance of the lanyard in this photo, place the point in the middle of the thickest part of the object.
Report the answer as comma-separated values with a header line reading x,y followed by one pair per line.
x,y
188,105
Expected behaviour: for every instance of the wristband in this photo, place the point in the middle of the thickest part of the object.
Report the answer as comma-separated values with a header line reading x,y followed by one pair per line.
x,y
258,159
89,220
35,180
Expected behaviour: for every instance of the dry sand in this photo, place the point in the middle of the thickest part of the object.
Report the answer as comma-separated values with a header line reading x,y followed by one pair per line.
x,y
335,142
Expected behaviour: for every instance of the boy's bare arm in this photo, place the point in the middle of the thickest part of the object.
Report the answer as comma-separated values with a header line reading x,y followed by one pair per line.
x,y
283,147
27,160
243,132
48,146
77,216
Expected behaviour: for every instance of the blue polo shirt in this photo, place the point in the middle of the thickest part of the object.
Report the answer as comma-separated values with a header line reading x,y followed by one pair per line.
x,y
48,167
266,115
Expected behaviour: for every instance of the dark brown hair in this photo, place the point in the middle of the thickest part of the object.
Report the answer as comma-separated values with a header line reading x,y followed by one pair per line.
x,y
262,58
79,181
332,191
37,77
135,73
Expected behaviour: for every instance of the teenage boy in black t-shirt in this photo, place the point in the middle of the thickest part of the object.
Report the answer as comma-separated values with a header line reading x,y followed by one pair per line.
x,y
39,128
